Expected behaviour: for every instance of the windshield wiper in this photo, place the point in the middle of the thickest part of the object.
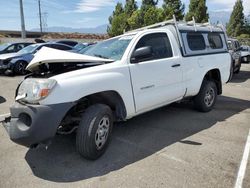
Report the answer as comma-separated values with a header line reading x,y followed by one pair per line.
x,y
101,56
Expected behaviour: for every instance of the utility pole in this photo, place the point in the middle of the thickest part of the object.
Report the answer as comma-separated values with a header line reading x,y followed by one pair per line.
x,y
40,17
22,19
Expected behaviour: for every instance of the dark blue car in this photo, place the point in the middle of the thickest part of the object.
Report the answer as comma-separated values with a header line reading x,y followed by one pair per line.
x,y
13,47
17,62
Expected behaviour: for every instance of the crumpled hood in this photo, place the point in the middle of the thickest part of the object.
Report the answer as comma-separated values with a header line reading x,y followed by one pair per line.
x,y
6,56
50,55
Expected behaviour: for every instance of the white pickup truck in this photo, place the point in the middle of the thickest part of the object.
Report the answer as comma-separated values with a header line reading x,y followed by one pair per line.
x,y
116,80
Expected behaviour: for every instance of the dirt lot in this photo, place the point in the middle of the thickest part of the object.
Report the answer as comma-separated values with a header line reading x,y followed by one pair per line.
x,y
174,146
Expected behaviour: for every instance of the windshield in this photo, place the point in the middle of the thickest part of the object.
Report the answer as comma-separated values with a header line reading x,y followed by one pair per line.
x,y
29,49
244,48
79,46
3,46
82,51
110,49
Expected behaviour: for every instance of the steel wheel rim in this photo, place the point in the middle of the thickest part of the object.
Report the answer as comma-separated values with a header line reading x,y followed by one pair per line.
x,y
21,67
209,97
102,132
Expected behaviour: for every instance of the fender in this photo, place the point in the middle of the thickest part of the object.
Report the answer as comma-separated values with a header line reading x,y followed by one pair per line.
x,y
84,82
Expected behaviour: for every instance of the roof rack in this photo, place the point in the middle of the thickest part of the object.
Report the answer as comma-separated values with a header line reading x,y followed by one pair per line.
x,y
179,23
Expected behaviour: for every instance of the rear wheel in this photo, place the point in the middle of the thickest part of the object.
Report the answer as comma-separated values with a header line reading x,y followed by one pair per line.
x,y
206,98
94,131
20,67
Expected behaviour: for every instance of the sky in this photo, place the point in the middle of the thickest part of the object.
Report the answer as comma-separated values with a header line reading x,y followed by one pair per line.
x,y
78,13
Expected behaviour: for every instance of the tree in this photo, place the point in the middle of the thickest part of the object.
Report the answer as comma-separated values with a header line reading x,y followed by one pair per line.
x,y
235,26
135,21
118,21
148,3
130,7
198,10
129,17
152,15
173,7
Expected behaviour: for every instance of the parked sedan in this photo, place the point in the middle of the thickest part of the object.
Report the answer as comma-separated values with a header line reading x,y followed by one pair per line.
x,y
245,54
13,47
17,62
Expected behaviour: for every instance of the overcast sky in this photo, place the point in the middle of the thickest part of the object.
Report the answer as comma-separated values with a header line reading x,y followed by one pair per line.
x,y
78,13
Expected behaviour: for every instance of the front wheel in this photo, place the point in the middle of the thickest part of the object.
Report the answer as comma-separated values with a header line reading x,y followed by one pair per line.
x,y
20,67
206,98
94,131
238,70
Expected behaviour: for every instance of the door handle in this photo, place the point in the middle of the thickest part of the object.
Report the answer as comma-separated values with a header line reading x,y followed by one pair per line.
x,y
176,65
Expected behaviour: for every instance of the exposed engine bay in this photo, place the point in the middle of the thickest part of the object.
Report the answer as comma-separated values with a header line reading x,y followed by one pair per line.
x,y
48,70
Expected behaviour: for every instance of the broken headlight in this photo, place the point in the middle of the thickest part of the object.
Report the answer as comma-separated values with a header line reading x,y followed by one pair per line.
x,y
33,90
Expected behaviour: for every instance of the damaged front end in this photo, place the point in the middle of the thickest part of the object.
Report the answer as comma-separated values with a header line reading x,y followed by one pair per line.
x,y
31,123
49,62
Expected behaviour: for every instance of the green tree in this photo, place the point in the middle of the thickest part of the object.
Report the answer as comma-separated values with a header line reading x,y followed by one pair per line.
x,y
130,17
198,9
173,7
117,22
148,3
152,15
135,21
130,7
236,23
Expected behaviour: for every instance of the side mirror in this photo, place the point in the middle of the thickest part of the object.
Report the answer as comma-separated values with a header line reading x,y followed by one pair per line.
x,y
142,54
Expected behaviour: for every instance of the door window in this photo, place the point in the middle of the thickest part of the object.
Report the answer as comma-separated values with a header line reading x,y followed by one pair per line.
x,y
160,44
11,48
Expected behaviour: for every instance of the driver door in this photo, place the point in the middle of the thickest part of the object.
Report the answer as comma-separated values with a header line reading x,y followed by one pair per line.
x,y
158,80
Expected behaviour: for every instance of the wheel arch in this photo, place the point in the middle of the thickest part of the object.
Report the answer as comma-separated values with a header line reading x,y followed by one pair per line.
x,y
111,98
214,75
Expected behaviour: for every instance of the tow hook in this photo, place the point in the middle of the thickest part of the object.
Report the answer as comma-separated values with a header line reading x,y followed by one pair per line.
x,y
43,145
4,118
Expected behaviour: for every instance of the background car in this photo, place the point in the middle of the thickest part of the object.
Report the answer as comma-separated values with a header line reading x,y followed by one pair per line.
x,y
13,47
90,45
71,43
245,54
16,63
234,50
79,47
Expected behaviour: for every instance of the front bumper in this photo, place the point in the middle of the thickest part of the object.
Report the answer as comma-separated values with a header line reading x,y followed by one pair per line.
x,y
4,66
30,125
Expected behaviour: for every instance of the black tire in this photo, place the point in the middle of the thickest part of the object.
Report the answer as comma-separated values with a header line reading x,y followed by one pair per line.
x,y
206,98
88,134
20,67
231,72
238,70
